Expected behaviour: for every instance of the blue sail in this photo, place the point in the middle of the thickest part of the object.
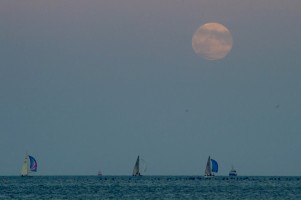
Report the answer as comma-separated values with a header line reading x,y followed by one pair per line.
x,y
33,164
214,166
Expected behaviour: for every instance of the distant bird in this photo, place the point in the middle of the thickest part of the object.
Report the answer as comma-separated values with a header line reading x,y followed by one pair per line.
x,y
277,106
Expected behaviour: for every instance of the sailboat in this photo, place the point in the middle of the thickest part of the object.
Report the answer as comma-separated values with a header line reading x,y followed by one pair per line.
x,y
233,172
136,170
211,167
30,166
99,173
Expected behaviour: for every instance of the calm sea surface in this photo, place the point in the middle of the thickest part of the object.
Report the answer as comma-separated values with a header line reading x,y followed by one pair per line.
x,y
149,187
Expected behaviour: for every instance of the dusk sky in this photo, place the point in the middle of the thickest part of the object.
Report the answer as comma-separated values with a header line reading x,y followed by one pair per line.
x,y
90,85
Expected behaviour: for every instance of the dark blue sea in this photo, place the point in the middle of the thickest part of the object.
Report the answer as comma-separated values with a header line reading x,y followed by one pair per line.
x,y
149,187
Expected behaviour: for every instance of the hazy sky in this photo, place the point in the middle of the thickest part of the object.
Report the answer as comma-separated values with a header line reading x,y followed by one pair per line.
x,y
89,85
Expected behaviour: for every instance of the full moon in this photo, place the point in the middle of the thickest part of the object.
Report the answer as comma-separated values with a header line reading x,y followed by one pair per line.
x,y
212,41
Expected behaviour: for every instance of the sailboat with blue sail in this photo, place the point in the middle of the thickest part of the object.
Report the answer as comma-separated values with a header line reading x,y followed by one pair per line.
x,y
29,165
211,167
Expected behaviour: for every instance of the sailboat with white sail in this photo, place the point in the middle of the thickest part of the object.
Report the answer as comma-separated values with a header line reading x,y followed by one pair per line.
x,y
136,170
140,167
29,166
211,167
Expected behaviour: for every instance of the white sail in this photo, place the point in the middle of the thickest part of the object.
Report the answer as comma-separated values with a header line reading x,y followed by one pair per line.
x,y
136,171
208,168
24,170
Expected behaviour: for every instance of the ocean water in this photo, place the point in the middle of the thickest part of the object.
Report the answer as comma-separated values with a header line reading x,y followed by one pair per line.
x,y
149,187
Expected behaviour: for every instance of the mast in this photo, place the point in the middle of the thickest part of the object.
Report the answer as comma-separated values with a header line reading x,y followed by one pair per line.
x,y
136,171
208,168
24,170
